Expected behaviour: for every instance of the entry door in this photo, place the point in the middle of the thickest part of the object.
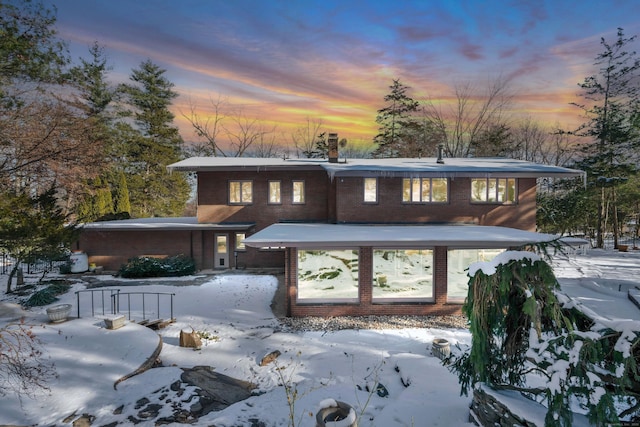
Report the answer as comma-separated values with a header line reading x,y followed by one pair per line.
x,y
221,251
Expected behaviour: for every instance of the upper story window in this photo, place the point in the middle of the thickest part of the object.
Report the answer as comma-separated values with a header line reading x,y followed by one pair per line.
x,y
370,190
298,192
240,192
274,192
493,190
425,190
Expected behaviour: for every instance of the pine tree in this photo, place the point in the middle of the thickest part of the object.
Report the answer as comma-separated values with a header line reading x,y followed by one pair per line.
x,y
397,124
121,196
612,98
153,144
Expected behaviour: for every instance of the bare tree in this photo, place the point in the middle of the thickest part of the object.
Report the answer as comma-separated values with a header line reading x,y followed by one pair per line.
x,y
208,128
266,144
474,114
24,369
246,131
304,137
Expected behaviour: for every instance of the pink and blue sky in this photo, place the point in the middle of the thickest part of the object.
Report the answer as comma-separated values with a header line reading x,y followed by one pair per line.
x,y
286,61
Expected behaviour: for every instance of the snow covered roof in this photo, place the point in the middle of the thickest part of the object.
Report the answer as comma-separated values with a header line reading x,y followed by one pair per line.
x,y
393,236
176,223
489,167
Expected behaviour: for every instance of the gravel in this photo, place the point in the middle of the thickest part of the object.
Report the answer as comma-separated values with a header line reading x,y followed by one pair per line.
x,y
373,322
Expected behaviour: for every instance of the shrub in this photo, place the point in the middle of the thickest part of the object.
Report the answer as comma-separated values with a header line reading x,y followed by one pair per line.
x,y
47,295
179,265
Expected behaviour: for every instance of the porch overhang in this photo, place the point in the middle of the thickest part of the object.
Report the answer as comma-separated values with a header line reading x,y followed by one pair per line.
x,y
159,224
394,236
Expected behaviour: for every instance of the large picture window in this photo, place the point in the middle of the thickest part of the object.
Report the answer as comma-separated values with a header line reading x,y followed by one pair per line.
x,y
240,192
458,262
425,190
328,275
402,275
493,190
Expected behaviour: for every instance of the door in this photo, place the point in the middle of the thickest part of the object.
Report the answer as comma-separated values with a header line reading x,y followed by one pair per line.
x,y
221,251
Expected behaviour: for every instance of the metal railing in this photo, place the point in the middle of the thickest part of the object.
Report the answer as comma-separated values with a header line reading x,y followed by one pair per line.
x,y
29,267
135,304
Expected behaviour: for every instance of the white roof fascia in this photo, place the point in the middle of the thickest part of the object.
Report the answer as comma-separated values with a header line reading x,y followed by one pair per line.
x,y
393,236
157,224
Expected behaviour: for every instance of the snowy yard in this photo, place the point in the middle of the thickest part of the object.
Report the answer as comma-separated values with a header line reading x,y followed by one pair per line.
x,y
234,311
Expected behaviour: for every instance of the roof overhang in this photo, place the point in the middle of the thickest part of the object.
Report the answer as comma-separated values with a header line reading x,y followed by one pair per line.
x,y
163,224
393,236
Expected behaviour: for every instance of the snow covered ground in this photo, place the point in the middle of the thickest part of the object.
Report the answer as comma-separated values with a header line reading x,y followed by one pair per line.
x,y
234,310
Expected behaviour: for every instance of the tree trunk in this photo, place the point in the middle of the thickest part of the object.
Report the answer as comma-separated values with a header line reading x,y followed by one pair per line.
x,y
599,225
616,225
13,272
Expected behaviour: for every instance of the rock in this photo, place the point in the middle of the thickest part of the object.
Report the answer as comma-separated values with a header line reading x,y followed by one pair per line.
x,y
269,358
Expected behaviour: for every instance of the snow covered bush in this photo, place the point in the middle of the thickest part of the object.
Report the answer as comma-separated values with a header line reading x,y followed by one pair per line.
x,y
179,265
527,336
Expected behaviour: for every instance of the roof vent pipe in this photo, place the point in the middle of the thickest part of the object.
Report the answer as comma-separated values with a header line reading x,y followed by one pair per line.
x,y
440,149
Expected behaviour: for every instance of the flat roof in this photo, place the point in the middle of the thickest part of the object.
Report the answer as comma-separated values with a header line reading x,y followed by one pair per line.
x,y
175,223
393,236
451,167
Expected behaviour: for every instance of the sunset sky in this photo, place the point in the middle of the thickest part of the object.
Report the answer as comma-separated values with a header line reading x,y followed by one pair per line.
x,y
286,61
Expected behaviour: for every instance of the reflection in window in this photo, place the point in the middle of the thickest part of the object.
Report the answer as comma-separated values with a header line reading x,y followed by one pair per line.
x,y
240,192
425,190
370,190
327,275
240,246
298,192
402,274
274,192
458,262
494,190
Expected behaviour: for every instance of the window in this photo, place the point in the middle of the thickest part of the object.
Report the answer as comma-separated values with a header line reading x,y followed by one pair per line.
x,y
493,190
401,275
274,192
298,192
240,246
327,275
240,192
370,190
458,262
425,190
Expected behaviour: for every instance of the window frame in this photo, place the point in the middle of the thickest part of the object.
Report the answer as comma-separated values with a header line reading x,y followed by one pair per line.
x,y
241,183
366,191
408,196
302,192
496,191
279,183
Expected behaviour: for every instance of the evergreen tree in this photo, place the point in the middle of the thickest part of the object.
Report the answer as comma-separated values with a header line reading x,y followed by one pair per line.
x,y
121,196
612,99
153,144
33,227
398,125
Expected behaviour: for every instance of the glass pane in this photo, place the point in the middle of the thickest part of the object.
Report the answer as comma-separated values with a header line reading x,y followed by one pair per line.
x,y
240,241
234,192
493,190
426,190
327,274
298,191
415,190
511,191
439,191
221,243
274,192
370,190
406,190
402,274
247,192
478,190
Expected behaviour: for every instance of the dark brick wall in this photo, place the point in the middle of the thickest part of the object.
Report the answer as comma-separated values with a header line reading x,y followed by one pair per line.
x,y
351,208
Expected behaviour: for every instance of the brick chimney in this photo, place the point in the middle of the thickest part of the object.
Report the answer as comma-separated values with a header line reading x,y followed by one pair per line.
x,y
332,142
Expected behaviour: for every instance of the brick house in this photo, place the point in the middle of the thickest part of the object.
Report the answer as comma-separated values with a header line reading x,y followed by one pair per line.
x,y
355,237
